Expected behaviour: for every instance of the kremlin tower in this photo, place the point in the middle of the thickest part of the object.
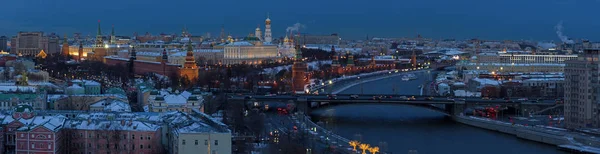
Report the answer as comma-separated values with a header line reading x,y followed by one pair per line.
x,y
335,62
298,73
113,38
189,69
65,47
99,48
99,41
164,61
350,63
413,59
80,53
268,36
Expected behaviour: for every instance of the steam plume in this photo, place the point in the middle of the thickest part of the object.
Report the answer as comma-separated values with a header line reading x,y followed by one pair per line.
x,y
295,27
560,34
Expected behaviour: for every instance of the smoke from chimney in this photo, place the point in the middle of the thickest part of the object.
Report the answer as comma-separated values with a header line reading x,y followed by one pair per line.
x,y
295,27
560,34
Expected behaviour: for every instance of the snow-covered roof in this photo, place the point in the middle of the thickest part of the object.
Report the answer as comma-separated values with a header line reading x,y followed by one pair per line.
x,y
111,125
463,93
86,82
112,105
74,86
53,123
484,81
14,88
240,43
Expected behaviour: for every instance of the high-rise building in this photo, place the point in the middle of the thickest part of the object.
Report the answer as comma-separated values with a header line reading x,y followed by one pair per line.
x,y
31,43
3,43
581,98
53,45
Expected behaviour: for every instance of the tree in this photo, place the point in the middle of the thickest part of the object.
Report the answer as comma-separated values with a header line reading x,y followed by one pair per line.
x,y
354,144
374,150
364,147
6,73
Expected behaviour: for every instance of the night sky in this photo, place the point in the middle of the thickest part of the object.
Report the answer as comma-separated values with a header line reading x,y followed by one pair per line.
x,y
461,19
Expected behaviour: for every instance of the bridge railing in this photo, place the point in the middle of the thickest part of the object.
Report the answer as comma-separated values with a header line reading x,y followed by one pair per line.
x,y
342,142
342,81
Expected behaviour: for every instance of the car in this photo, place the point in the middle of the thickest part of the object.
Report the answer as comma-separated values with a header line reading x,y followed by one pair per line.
x,y
403,97
353,96
332,96
485,98
429,98
412,98
523,99
376,97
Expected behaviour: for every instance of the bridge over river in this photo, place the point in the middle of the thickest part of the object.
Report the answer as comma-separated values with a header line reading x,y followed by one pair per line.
x,y
446,105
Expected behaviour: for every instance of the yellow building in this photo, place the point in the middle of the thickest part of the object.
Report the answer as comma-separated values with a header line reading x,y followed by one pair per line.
x,y
248,52
88,50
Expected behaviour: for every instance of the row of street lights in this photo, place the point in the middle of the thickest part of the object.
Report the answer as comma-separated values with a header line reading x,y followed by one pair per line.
x,y
364,147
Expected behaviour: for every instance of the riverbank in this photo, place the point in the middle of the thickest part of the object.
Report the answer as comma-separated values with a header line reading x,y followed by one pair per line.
x,y
561,138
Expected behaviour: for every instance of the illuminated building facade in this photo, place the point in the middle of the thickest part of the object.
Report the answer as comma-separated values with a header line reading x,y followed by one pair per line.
x,y
248,52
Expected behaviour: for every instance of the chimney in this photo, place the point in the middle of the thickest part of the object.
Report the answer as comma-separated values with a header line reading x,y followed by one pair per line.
x,y
122,122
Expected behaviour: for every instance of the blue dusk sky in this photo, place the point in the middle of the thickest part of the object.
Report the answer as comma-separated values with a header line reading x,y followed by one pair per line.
x,y
353,19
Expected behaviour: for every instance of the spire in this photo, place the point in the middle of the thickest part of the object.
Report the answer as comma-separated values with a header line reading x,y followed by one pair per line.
x,y
298,53
189,46
334,61
133,54
65,41
165,57
112,33
99,31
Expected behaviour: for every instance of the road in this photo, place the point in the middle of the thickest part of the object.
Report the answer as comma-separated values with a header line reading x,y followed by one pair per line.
x,y
282,134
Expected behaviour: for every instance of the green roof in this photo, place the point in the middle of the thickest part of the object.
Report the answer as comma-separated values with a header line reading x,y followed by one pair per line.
x,y
8,97
23,108
196,92
251,38
192,98
115,90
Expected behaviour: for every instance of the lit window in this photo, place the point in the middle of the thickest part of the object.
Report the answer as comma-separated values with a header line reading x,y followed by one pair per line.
x,y
182,142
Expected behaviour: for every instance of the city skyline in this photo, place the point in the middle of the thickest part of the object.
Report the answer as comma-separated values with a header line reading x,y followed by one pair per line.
x,y
461,19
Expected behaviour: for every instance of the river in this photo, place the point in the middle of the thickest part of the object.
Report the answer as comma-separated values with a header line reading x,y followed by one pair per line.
x,y
406,128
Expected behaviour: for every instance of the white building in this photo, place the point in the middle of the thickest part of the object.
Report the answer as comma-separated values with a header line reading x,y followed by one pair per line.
x,y
249,53
164,101
110,105
207,136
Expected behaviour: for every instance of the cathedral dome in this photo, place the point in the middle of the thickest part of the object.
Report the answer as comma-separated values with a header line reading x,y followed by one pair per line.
x,y
286,39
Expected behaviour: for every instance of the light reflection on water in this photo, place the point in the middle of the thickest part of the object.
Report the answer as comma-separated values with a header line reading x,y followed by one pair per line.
x,y
406,128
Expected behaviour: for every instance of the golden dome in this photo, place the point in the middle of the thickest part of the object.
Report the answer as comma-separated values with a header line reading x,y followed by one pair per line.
x,y
286,39
268,21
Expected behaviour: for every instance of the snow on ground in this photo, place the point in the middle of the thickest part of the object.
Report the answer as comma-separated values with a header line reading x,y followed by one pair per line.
x,y
314,65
